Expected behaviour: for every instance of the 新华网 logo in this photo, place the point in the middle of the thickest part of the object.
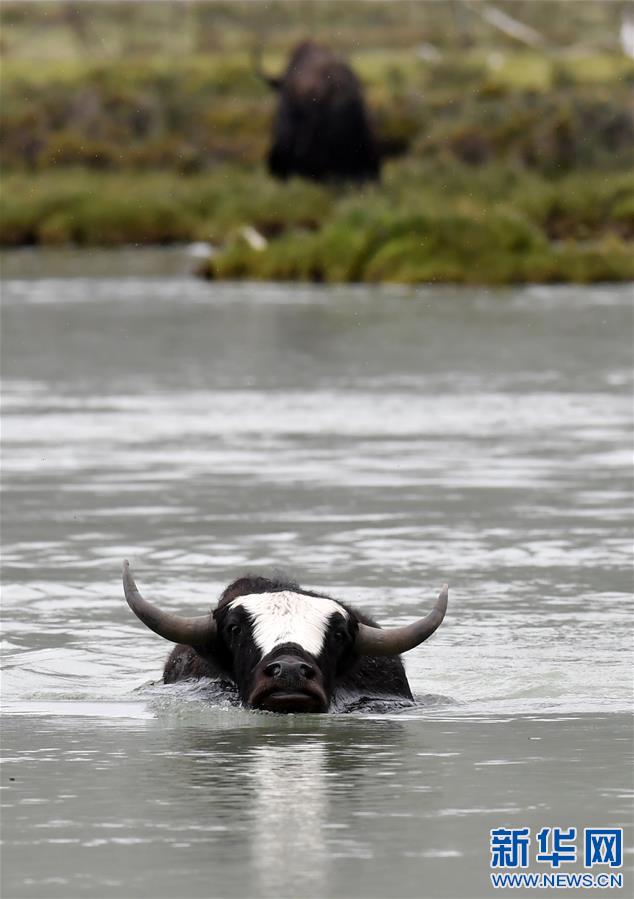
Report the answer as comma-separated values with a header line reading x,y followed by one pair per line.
x,y
599,848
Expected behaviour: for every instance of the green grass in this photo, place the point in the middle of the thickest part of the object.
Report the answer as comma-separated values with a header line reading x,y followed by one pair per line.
x,y
144,123
424,222
192,113
88,208
417,228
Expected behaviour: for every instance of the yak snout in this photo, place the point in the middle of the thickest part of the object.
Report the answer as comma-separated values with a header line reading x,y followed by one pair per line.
x,y
288,683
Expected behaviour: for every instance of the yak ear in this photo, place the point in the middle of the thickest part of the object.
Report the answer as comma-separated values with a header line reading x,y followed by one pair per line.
x,y
186,662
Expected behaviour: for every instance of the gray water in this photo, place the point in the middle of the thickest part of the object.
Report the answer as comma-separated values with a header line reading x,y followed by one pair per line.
x,y
373,442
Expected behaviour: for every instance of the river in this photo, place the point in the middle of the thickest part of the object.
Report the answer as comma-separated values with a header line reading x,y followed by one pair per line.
x,y
373,442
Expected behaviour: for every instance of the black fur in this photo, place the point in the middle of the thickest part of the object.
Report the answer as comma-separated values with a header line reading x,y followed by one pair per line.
x,y
322,129
347,677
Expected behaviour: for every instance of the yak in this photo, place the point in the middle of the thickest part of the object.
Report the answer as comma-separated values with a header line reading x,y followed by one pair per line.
x,y
285,649
321,130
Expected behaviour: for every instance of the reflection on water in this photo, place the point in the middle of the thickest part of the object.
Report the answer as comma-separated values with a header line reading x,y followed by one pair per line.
x,y
255,805
374,443
283,817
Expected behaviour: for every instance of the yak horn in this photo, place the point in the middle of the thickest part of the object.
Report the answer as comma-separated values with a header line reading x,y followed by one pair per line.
x,y
376,641
192,631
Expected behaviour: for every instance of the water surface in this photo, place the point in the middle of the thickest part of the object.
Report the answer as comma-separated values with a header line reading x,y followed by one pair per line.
x,y
372,442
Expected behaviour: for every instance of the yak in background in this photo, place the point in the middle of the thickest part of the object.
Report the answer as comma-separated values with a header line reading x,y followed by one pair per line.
x,y
322,129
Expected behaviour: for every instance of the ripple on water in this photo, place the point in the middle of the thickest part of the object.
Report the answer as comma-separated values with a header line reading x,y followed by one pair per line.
x,y
203,431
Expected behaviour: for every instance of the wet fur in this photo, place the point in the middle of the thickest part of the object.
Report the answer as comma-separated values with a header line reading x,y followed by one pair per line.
x,y
365,678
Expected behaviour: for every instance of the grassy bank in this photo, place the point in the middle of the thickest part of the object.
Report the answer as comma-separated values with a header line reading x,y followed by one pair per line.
x,y
145,123
426,221
192,115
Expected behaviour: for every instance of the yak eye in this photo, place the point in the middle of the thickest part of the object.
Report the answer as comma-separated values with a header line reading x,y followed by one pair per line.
x,y
234,630
340,636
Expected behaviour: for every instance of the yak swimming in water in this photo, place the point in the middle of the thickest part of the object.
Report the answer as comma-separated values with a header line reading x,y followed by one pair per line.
x,y
322,129
285,649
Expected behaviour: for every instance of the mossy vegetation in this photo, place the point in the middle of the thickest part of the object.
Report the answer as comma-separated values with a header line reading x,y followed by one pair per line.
x,y
424,222
145,123
418,226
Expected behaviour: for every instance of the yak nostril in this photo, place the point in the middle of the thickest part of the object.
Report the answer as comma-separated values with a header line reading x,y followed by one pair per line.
x,y
273,670
289,669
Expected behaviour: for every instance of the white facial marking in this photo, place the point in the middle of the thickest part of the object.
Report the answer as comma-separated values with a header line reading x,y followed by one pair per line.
x,y
288,617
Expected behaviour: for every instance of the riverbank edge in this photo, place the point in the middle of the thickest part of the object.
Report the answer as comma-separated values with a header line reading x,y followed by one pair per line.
x,y
423,223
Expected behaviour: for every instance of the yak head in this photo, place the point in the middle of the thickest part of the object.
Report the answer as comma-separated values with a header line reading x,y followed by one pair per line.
x,y
283,647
